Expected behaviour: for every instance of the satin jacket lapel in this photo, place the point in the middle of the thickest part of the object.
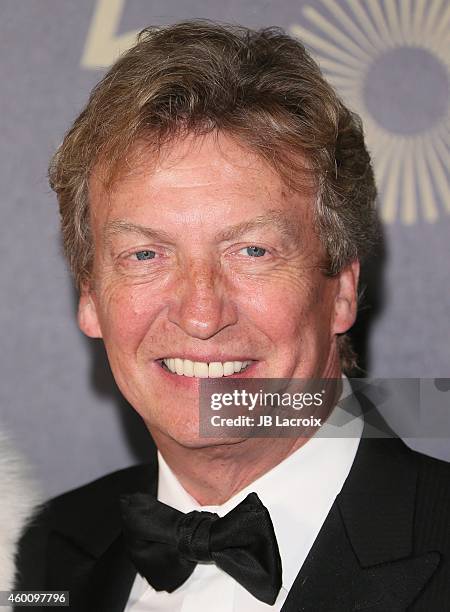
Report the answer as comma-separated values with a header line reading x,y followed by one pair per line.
x,y
363,556
87,555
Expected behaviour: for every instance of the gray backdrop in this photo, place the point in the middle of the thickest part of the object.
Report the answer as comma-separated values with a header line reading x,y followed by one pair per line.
x,y
388,58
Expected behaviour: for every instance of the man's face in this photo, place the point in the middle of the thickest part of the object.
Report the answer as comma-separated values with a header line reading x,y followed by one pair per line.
x,y
205,257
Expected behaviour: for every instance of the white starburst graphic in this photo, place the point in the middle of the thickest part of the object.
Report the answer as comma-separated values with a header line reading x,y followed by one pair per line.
x,y
362,46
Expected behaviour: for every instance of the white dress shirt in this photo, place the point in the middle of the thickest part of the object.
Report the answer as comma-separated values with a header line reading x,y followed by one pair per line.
x,y
298,492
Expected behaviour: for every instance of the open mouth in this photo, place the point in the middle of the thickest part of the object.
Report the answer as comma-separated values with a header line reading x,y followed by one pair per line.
x,y
202,369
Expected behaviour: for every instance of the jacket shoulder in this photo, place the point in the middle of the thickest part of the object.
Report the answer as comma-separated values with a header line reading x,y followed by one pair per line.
x,y
432,527
433,475
435,471
96,496
73,511
433,500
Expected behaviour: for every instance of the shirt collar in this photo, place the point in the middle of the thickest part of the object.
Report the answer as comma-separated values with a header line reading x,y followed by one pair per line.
x,y
298,492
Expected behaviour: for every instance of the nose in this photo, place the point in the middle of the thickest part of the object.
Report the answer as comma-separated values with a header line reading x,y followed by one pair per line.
x,y
202,306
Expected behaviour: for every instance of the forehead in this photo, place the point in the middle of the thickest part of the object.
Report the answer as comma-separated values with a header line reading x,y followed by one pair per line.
x,y
196,179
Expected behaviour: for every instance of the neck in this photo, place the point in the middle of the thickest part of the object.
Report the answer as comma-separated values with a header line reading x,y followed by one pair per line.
x,y
214,472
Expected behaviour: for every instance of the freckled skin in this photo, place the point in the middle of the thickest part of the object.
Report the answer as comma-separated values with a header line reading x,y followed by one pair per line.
x,y
200,293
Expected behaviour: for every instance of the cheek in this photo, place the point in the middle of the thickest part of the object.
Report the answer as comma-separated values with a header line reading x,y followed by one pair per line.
x,y
284,310
126,315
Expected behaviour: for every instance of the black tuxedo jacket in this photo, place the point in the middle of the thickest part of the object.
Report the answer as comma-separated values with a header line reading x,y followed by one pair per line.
x,y
384,547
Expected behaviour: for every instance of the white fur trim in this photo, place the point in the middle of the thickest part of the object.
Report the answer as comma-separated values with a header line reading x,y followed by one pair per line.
x,y
18,494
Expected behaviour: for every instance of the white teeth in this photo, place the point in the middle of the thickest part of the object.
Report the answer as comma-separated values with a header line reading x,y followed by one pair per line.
x,y
179,366
228,368
188,367
201,369
215,369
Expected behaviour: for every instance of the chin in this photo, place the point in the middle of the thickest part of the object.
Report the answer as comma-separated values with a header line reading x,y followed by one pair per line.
x,y
188,437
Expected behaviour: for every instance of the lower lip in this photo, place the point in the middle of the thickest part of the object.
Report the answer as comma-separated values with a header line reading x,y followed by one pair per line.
x,y
193,381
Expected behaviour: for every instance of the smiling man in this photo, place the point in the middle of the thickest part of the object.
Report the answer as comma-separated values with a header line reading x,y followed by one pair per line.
x,y
216,200
206,265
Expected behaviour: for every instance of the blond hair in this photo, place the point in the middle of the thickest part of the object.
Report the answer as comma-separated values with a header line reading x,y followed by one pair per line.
x,y
259,86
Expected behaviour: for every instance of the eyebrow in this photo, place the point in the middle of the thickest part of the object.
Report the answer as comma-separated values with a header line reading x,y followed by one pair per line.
x,y
121,226
273,218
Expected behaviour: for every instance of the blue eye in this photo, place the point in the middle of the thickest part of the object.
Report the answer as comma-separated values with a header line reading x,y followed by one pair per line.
x,y
255,251
143,255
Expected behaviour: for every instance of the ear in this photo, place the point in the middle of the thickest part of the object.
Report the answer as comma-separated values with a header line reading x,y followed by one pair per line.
x,y
346,300
87,313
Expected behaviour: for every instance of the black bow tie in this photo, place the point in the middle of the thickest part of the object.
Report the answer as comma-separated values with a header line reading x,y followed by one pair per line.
x,y
165,545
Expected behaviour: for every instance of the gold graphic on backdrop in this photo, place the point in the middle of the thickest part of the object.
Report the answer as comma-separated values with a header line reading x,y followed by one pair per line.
x,y
103,45
359,44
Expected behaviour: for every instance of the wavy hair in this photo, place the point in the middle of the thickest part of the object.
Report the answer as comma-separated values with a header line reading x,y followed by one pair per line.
x,y
262,87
